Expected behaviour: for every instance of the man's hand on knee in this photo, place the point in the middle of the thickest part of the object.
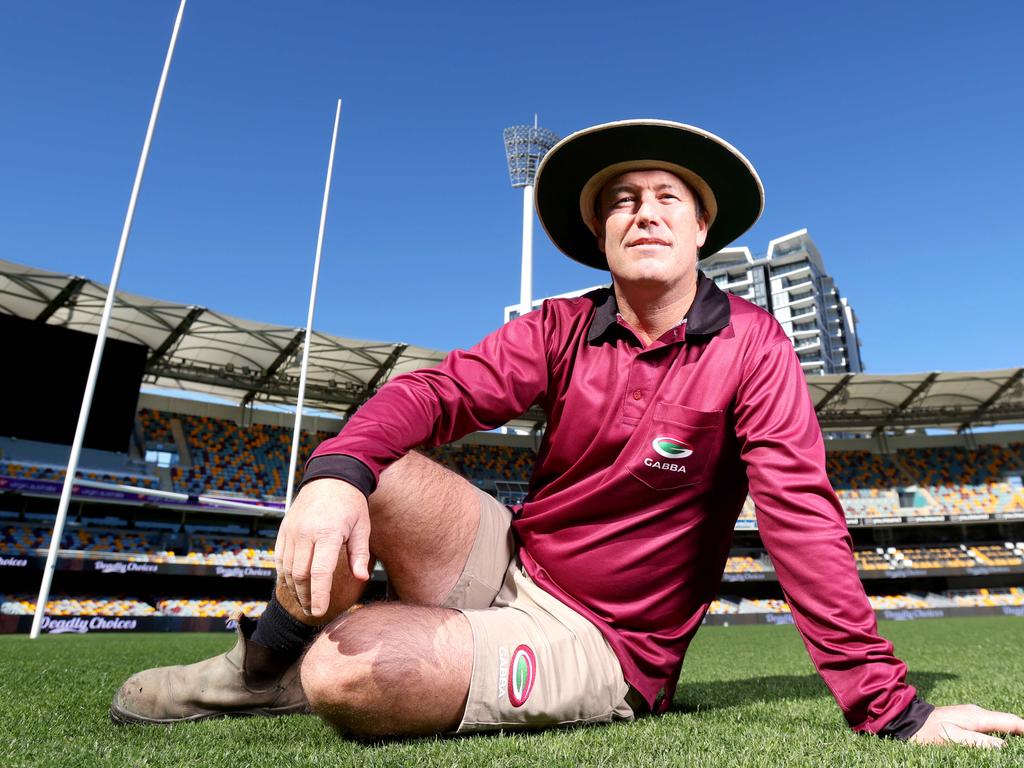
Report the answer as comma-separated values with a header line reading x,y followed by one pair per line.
x,y
967,724
326,515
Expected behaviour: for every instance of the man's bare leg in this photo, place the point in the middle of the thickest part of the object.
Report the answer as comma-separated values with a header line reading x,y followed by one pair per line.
x,y
391,670
424,520
400,668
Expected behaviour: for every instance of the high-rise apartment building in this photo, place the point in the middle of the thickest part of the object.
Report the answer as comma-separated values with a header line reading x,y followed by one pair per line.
x,y
790,282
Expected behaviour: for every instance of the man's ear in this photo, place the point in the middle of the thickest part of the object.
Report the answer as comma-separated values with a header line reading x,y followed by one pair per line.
x,y
598,233
702,229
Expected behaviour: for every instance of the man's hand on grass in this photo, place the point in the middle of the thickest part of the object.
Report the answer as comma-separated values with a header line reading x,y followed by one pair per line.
x,y
967,724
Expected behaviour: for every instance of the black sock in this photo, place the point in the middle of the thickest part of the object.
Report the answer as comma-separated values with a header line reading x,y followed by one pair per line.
x,y
284,635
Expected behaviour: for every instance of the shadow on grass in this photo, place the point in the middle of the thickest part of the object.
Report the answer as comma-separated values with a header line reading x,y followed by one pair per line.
x,y
731,693
690,697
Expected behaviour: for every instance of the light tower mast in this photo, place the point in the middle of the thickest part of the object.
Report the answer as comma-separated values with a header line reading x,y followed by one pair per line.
x,y
525,145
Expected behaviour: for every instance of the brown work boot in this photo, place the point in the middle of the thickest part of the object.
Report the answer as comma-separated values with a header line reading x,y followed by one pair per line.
x,y
243,681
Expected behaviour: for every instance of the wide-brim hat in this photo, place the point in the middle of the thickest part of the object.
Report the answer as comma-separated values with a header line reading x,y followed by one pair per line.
x,y
573,172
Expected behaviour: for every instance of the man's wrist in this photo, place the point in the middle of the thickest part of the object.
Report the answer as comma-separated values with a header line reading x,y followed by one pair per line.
x,y
909,721
339,466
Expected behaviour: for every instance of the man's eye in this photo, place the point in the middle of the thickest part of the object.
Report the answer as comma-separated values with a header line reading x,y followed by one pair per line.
x,y
622,201
668,196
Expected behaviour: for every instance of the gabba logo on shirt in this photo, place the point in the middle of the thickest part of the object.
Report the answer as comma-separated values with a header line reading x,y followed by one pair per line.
x,y
669,448
672,447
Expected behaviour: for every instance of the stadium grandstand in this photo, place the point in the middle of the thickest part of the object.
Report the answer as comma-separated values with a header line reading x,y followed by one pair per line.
x,y
933,497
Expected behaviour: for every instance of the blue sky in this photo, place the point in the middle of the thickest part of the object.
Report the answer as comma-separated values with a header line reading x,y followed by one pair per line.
x,y
890,131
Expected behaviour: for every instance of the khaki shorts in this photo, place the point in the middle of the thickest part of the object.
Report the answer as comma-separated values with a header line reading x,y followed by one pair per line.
x,y
536,662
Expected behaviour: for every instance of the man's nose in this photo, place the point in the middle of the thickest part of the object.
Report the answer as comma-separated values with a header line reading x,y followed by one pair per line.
x,y
646,213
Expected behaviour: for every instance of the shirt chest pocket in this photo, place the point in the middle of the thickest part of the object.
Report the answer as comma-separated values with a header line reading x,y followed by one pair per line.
x,y
676,448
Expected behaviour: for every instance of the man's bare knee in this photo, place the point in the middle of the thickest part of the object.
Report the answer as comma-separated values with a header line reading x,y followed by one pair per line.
x,y
335,680
389,670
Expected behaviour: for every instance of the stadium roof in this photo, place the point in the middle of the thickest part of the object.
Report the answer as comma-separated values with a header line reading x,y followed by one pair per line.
x,y
866,402
200,350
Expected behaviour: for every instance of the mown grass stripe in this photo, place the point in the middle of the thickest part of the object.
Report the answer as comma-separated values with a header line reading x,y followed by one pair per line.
x,y
748,697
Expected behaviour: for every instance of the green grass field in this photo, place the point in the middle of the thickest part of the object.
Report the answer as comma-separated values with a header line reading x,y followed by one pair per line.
x,y
748,697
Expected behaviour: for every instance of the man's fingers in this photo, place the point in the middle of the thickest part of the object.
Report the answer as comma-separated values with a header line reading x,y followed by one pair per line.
x,y
957,735
279,546
302,558
325,516
285,571
987,721
325,561
358,546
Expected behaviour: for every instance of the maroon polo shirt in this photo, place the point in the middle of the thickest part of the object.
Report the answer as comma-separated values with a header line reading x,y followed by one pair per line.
x,y
648,455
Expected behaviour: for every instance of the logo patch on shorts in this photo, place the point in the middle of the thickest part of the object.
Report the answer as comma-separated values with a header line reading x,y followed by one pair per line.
x,y
522,674
671,447
502,671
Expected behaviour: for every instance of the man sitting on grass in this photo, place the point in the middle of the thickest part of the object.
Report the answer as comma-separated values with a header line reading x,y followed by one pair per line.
x,y
667,400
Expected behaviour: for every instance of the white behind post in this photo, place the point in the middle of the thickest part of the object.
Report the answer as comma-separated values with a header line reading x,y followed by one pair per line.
x,y
297,433
97,355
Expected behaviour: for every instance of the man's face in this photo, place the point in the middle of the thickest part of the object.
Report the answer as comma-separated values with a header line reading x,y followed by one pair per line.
x,y
648,228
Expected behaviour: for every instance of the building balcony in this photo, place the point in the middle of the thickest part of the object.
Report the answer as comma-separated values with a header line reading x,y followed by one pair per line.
x,y
803,301
793,271
799,284
805,334
734,285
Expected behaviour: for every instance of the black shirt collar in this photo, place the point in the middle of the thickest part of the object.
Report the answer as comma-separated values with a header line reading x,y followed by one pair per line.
x,y
708,314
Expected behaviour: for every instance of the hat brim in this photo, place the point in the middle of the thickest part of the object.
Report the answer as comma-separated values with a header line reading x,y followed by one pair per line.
x,y
713,168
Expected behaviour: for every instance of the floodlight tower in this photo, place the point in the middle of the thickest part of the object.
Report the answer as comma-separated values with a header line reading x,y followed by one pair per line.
x,y
525,145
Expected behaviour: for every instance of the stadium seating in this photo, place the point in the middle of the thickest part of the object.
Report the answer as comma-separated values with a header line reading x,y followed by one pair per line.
x,y
1008,553
1012,596
721,606
855,470
967,481
31,471
935,480
64,605
249,462
929,557
486,465
215,549
214,609
24,605
22,539
869,502
156,428
767,605
225,457
155,547
748,515
253,461
208,550
897,602
746,564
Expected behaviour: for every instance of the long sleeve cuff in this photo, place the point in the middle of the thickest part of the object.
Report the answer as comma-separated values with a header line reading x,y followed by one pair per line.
x,y
340,467
909,721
